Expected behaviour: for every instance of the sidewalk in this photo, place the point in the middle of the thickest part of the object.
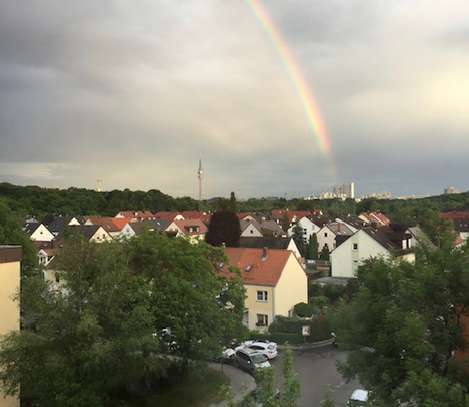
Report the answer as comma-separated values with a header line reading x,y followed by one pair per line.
x,y
242,383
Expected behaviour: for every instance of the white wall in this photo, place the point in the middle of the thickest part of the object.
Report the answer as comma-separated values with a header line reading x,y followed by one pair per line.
x,y
251,231
326,236
308,228
42,234
345,259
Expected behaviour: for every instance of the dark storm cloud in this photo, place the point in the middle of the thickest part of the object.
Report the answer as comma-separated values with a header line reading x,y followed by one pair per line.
x,y
135,92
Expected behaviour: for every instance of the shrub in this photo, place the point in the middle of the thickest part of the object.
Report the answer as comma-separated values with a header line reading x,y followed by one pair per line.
x,y
303,310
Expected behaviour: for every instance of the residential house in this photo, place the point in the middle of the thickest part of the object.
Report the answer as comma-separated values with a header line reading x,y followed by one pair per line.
x,y
250,228
419,237
270,228
37,232
194,229
118,228
274,281
10,274
283,243
169,216
328,234
150,225
387,242
58,224
460,220
91,233
193,215
136,216
376,219
46,255
308,229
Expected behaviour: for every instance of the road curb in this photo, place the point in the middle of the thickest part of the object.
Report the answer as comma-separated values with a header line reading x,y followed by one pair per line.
x,y
312,345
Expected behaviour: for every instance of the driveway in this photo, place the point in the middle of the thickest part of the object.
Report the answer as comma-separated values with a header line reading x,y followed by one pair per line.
x,y
317,370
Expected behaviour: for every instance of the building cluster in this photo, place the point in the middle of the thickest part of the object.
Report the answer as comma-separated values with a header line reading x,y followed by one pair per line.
x,y
270,254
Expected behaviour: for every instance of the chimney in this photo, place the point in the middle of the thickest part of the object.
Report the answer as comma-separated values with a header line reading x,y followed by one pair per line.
x,y
264,254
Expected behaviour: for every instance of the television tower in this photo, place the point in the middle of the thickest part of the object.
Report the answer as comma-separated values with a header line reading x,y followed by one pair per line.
x,y
199,176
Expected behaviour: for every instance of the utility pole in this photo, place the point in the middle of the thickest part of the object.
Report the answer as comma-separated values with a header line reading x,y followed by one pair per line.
x,y
199,176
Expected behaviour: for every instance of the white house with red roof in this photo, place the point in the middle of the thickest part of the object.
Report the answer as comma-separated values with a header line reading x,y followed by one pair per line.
x,y
193,229
274,281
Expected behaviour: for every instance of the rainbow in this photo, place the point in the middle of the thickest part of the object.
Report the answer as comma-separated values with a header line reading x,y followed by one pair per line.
x,y
311,107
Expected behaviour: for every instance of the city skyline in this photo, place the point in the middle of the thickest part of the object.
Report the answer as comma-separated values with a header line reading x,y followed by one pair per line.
x,y
90,91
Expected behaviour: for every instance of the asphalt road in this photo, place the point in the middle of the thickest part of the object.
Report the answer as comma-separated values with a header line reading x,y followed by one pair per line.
x,y
317,371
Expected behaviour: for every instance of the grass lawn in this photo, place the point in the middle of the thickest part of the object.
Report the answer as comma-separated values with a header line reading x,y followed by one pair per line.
x,y
196,390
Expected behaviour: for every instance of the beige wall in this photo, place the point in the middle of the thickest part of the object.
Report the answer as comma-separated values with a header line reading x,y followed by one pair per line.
x,y
9,309
291,289
255,307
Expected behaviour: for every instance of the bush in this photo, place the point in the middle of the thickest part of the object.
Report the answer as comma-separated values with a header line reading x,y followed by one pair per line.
x,y
290,329
303,310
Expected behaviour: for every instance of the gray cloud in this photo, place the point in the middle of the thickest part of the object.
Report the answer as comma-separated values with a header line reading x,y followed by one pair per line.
x,y
134,93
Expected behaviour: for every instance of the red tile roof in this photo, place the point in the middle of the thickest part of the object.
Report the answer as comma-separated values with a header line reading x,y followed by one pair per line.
x,y
455,215
254,269
193,214
166,215
108,223
280,214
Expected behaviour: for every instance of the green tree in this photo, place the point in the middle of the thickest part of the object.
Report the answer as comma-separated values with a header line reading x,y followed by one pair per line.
x,y
298,238
224,229
403,327
324,255
312,249
233,204
92,338
202,309
328,401
285,223
267,392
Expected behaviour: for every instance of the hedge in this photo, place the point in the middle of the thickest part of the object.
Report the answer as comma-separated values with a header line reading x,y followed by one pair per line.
x,y
289,330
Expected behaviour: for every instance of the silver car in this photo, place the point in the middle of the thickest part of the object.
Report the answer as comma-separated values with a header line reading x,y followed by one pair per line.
x,y
251,360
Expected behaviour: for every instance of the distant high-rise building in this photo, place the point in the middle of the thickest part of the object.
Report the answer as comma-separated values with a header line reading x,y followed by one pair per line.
x,y
344,190
451,190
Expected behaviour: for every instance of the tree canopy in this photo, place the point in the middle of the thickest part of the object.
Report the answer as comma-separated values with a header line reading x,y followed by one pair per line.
x,y
122,308
224,229
403,327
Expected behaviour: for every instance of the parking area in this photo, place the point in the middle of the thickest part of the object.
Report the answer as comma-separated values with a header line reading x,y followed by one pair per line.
x,y
317,370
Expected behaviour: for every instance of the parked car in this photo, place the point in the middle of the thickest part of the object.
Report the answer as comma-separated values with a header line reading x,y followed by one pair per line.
x,y
358,398
269,349
251,360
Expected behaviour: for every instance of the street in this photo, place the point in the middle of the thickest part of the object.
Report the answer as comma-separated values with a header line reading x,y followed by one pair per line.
x,y
317,370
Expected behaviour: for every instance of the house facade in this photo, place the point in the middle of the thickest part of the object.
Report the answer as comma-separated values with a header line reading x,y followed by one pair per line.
x,y
39,233
274,281
308,227
193,229
250,228
347,257
367,243
10,271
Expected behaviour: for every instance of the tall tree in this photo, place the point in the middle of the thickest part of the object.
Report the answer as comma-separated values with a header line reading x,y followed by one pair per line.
x,y
324,255
224,229
233,204
312,249
404,326
299,239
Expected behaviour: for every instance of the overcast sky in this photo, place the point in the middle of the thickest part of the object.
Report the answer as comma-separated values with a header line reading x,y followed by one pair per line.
x,y
135,92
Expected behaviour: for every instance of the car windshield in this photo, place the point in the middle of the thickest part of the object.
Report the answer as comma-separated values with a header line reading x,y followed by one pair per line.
x,y
258,358
271,347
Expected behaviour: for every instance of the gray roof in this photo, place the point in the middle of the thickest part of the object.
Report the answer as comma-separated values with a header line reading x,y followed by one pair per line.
x,y
261,242
30,228
159,225
245,223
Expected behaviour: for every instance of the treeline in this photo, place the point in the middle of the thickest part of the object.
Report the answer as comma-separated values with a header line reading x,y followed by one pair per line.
x,y
34,200
38,201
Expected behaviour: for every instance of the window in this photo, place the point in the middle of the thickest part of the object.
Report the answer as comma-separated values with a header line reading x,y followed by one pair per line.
x,y
262,296
355,246
325,234
262,320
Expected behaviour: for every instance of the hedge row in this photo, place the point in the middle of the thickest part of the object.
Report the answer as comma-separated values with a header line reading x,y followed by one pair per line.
x,y
290,330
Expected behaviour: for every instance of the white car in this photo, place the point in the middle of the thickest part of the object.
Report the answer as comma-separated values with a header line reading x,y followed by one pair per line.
x,y
269,349
358,398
